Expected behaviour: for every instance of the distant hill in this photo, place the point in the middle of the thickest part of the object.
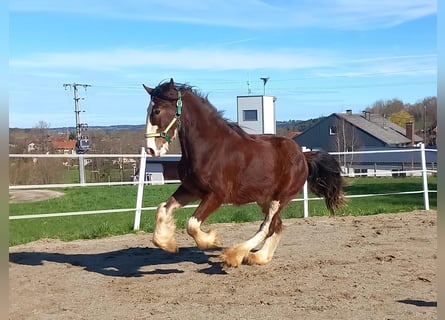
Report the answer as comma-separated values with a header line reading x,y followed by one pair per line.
x,y
297,125
290,125
121,127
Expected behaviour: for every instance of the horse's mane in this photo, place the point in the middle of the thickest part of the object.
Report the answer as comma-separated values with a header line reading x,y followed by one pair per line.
x,y
163,87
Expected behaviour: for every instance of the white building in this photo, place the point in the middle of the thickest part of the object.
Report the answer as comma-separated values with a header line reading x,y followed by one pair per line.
x,y
256,114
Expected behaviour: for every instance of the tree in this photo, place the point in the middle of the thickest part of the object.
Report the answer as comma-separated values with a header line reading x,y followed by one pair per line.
x,y
401,118
423,112
72,136
346,140
387,107
40,136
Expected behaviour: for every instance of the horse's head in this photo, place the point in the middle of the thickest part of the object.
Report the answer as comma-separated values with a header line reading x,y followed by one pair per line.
x,y
162,117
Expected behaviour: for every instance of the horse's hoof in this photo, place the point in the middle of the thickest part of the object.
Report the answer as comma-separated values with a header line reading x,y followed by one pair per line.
x,y
254,258
171,247
232,257
208,240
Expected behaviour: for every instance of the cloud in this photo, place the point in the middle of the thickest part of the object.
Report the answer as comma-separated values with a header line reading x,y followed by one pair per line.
x,y
320,64
334,14
385,66
197,59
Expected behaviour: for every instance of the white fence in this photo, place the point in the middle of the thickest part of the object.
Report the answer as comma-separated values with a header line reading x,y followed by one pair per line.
x,y
423,171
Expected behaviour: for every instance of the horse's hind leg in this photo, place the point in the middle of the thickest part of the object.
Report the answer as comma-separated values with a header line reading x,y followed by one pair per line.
x,y
265,254
235,255
164,233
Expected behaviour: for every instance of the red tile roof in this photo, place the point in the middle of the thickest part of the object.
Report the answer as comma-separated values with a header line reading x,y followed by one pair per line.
x,y
64,144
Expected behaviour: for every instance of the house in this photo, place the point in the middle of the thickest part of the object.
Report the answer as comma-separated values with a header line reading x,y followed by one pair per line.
x,y
64,146
32,147
342,132
352,132
159,169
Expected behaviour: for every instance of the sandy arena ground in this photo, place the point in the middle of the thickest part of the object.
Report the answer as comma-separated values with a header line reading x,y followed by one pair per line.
x,y
375,267
18,196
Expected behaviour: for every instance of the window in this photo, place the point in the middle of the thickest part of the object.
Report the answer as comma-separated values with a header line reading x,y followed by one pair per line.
x,y
332,130
250,115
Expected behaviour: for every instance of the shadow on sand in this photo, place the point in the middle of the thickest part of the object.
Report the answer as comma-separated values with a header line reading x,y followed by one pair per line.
x,y
126,262
419,303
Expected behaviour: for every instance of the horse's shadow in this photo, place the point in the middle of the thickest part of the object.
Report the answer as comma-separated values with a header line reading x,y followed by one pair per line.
x,y
126,262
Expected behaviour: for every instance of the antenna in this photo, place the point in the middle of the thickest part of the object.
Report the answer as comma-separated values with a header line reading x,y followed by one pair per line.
x,y
265,79
249,91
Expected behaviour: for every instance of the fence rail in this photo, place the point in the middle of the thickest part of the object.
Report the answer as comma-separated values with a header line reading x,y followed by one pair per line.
x,y
423,171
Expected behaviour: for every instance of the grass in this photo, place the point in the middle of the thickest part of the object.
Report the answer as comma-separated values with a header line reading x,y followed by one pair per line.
x,y
122,197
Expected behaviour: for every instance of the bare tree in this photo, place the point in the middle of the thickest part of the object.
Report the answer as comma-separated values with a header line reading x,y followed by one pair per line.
x,y
386,107
41,137
346,140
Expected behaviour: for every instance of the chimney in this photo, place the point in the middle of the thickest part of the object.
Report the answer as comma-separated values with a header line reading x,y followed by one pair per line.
x,y
367,115
410,132
348,111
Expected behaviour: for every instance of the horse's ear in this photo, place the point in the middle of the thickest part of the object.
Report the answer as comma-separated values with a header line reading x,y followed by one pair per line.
x,y
148,89
172,84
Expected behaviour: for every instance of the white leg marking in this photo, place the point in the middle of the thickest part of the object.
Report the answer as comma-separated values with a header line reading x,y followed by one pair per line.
x,y
234,256
264,230
265,254
204,240
164,234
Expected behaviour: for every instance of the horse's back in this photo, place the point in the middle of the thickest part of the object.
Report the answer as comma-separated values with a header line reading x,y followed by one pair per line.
x,y
274,167
254,168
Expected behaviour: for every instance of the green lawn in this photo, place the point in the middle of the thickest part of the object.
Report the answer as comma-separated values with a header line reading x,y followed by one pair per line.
x,y
122,197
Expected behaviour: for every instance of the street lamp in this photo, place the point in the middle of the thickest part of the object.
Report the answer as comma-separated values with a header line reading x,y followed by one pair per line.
x,y
264,84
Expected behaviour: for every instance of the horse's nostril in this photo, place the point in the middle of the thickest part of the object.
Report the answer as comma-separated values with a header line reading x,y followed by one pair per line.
x,y
151,151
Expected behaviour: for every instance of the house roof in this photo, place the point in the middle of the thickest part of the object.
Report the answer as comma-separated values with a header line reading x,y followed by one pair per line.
x,y
64,144
379,127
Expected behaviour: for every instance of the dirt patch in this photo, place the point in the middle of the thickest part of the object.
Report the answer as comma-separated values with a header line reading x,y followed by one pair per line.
x,y
18,196
374,267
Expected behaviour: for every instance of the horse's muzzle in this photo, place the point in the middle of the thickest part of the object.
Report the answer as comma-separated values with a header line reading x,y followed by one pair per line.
x,y
150,151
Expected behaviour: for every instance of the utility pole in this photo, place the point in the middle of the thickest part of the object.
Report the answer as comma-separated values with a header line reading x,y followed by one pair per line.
x,y
80,148
79,125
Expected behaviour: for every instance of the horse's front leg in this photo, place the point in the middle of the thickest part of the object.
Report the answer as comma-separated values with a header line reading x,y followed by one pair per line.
x,y
204,239
164,233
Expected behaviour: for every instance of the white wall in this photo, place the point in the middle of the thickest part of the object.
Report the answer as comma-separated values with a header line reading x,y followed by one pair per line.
x,y
265,108
269,122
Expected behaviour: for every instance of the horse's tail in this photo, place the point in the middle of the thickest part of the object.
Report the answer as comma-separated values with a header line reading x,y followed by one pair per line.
x,y
325,180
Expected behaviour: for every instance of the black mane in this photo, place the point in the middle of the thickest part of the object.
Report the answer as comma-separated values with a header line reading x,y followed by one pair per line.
x,y
162,92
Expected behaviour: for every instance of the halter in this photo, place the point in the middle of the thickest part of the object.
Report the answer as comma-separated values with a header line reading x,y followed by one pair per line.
x,y
164,134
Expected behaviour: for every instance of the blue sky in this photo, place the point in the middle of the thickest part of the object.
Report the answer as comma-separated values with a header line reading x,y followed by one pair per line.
x,y
322,56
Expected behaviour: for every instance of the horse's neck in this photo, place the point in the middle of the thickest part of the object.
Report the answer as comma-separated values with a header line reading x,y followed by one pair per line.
x,y
200,122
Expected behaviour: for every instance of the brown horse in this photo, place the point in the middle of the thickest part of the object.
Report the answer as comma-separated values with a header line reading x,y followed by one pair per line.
x,y
221,163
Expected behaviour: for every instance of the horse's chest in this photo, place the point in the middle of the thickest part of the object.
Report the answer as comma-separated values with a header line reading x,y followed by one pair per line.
x,y
191,177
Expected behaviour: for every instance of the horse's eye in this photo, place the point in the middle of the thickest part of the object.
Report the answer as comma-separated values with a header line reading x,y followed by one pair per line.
x,y
157,111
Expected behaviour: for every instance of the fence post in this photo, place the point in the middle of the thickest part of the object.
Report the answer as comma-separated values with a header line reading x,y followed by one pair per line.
x,y
141,181
424,176
305,194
